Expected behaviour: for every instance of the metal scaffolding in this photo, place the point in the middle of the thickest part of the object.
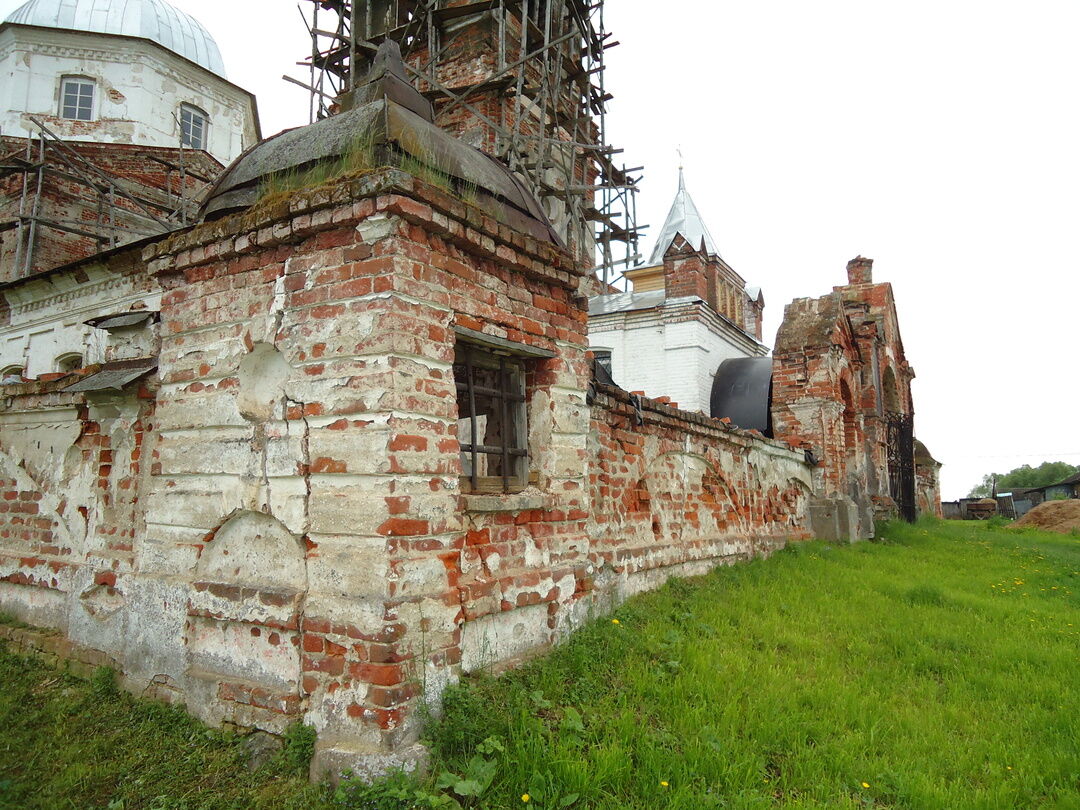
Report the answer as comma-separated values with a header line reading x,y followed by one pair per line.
x,y
112,212
522,79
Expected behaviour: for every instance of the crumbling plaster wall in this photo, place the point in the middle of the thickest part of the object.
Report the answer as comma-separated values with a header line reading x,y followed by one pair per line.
x,y
45,318
274,528
69,516
928,487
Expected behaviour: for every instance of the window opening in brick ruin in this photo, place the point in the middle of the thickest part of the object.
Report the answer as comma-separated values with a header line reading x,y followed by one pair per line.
x,y
11,374
491,424
891,393
67,363
193,127
77,98
850,437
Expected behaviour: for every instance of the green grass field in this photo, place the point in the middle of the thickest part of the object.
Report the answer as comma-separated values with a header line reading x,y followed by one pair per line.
x,y
936,668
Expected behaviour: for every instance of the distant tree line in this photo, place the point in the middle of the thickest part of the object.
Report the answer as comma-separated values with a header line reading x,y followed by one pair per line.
x,y
1049,472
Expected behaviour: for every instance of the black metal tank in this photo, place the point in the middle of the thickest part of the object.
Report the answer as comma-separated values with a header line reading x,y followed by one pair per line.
x,y
742,391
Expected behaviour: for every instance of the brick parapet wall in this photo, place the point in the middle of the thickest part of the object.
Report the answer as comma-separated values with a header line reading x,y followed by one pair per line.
x,y
685,487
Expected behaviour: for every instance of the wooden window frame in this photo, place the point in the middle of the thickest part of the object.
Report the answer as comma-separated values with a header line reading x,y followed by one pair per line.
x,y
186,140
511,360
77,108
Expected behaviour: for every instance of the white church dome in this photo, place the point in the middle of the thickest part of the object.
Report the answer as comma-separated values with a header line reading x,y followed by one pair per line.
x,y
150,19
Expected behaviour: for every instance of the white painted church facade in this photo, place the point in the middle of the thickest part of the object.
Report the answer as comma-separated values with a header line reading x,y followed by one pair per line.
x,y
138,74
686,313
117,71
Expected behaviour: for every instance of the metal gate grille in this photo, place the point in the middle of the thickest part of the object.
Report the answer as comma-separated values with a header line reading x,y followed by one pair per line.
x,y
901,450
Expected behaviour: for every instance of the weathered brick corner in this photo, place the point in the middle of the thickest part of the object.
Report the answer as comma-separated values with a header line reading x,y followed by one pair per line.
x,y
275,525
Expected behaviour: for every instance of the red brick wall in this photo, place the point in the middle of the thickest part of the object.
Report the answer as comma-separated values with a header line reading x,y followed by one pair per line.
x,y
66,199
839,370
303,543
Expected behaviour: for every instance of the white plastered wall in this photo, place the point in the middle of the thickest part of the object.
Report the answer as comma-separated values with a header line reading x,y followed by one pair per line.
x,y
139,89
661,356
48,318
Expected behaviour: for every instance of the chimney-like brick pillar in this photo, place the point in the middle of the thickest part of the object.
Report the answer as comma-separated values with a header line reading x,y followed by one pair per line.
x,y
860,271
689,275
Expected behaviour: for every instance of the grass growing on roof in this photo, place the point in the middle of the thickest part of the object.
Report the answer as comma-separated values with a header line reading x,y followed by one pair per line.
x,y
359,157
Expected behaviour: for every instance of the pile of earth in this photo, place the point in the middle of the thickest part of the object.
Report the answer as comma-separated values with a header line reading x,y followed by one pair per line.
x,y
1053,516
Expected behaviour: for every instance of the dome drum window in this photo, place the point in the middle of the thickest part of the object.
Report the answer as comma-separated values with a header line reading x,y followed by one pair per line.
x,y
77,98
194,127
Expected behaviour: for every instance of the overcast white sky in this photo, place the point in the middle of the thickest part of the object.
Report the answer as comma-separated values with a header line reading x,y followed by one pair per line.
x,y
940,138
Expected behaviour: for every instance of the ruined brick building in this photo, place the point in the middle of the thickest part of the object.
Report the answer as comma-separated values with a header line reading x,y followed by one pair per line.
x,y
346,440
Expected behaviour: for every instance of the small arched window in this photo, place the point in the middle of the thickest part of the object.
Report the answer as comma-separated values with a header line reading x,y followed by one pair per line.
x,y
10,374
194,127
68,363
77,98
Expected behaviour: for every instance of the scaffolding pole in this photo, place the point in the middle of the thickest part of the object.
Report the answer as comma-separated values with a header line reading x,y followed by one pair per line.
x,y
116,210
532,85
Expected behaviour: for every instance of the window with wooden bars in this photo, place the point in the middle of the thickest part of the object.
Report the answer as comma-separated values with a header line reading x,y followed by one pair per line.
x,y
491,427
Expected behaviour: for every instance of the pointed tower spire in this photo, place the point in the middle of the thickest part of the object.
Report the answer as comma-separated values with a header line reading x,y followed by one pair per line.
x,y
682,220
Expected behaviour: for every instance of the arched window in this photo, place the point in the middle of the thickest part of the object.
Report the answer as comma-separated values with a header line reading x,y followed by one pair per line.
x,y
69,362
77,98
10,374
194,127
890,393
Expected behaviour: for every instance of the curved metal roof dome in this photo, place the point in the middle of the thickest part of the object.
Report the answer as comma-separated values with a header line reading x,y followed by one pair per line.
x,y
150,19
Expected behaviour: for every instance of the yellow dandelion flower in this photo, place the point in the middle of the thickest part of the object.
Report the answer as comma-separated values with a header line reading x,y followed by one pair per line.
x,y
614,621
866,784
525,797
663,784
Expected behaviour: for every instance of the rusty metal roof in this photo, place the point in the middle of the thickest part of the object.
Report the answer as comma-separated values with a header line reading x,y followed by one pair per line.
x,y
121,320
115,375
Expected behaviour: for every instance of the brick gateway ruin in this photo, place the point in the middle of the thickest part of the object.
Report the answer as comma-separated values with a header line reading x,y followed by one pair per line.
x,y
358,447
